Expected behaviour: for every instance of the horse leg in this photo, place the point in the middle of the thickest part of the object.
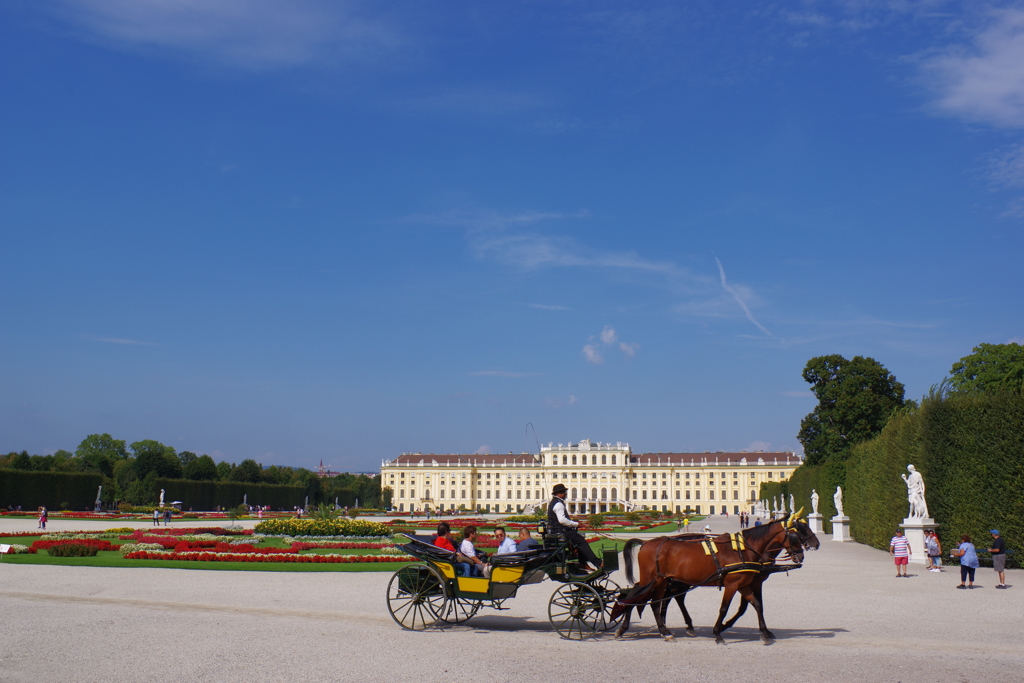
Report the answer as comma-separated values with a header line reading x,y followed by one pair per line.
x,y
624,623
766,636
727,592
659,611
756,586
681,601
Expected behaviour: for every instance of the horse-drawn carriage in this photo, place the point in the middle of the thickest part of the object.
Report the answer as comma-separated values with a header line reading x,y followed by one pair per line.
x,y
430,593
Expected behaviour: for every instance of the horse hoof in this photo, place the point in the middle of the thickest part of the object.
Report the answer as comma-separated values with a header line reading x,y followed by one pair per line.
x,y
719,640
690,633
767,640
670,639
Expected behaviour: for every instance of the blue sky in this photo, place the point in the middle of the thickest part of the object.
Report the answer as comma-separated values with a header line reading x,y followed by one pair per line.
x,y
341,230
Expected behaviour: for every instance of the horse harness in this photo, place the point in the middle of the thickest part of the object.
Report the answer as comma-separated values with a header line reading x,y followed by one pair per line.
x,y
737,543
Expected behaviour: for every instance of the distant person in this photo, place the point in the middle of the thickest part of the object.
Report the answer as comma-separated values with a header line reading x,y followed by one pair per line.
x,y
686,523
42,518
899,548
167,516
757,521
156,516
934,548
998,551
968,561
525,542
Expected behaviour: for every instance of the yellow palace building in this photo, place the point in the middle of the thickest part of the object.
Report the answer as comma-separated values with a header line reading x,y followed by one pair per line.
x,y
600,477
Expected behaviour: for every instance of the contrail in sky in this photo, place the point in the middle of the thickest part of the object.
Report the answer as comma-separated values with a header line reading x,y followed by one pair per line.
x,y
739,300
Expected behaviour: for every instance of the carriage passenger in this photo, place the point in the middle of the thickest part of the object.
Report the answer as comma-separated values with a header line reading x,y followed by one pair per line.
x,y
505,544
524,542
470,552
443,539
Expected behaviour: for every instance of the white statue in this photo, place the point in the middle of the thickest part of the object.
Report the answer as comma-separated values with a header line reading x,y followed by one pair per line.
x,y
161,498
838,500
792,504
915,493
814,501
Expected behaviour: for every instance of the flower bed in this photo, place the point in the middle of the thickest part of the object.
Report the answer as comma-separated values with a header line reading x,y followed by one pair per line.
x,y
98,543
18,549
258,557
334,545
322,527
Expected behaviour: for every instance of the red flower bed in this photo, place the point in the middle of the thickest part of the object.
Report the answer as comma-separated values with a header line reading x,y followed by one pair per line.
x,y
341,545
98,543
274,557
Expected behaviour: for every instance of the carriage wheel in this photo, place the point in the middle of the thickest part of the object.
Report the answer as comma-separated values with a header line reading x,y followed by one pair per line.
x,y
609,591
416,596
576,611
459,610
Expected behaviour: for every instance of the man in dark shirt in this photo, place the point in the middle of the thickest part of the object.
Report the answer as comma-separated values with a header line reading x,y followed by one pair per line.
x,y
998,551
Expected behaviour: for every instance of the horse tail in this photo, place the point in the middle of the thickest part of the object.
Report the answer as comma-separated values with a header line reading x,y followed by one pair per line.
x,y
628,556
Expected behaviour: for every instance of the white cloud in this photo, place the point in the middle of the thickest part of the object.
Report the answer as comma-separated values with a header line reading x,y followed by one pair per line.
x,y
245,34
1016,340
628,349
573,400
591,353
557,403
608,335
483,450
984,81
738,295
759,446
1007,167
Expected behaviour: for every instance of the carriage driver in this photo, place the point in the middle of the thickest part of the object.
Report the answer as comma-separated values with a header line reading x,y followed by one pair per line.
x,y
559,523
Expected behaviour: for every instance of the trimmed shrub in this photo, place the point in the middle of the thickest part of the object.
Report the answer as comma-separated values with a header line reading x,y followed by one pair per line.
x,y
51,490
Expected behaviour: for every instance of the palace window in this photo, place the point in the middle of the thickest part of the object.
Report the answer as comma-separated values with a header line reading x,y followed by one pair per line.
x,y
604,459
613,459
687,494
711,495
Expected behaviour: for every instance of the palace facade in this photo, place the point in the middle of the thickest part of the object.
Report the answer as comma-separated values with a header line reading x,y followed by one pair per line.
x,y
600,477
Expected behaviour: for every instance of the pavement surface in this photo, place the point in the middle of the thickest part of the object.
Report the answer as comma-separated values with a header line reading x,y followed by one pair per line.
x,y
842,617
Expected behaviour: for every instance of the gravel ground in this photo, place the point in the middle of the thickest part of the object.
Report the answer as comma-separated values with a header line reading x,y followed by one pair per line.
x,y
843,617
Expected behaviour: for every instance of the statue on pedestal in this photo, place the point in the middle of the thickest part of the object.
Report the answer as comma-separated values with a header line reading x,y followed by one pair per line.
x,y
915,493
814,501
838,500
161,498
792,504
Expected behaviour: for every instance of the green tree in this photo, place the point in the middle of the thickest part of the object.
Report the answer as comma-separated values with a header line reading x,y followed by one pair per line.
x,y
153,456
223,471
101,451
21,461
248,471
991,366
186,457
855,399
201,469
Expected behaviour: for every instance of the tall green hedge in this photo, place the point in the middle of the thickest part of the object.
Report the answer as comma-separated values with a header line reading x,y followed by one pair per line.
x,y
968,447
50,489
207,495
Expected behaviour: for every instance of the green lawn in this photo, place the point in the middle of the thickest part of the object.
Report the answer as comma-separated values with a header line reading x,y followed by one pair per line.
x,y
114,559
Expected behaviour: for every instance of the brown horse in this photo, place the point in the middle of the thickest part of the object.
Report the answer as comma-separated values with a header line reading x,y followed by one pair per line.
x,y
737,564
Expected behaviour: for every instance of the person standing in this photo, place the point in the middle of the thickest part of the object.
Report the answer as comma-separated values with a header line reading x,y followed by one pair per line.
x,y
156,516
934,548
167,517
998,551
42,518
559,522
899,548
968,561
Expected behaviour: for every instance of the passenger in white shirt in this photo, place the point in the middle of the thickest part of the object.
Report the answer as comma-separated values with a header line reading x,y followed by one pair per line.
x,y
469,550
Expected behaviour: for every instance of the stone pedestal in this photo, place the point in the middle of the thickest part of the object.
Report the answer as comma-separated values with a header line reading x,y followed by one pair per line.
x,y
814,520
841,529
914,528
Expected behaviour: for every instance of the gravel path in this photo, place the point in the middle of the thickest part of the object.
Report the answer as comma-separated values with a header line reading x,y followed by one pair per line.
x,y
843,617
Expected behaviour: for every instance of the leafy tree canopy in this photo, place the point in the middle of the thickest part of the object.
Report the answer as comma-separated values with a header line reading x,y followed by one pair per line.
x,y
153,456
991,366
248,471
855,399
201,469
101,451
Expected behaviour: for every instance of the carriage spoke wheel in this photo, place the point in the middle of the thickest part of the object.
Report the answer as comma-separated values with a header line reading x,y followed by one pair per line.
x,y
459,610
609,592
416,596
576,611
